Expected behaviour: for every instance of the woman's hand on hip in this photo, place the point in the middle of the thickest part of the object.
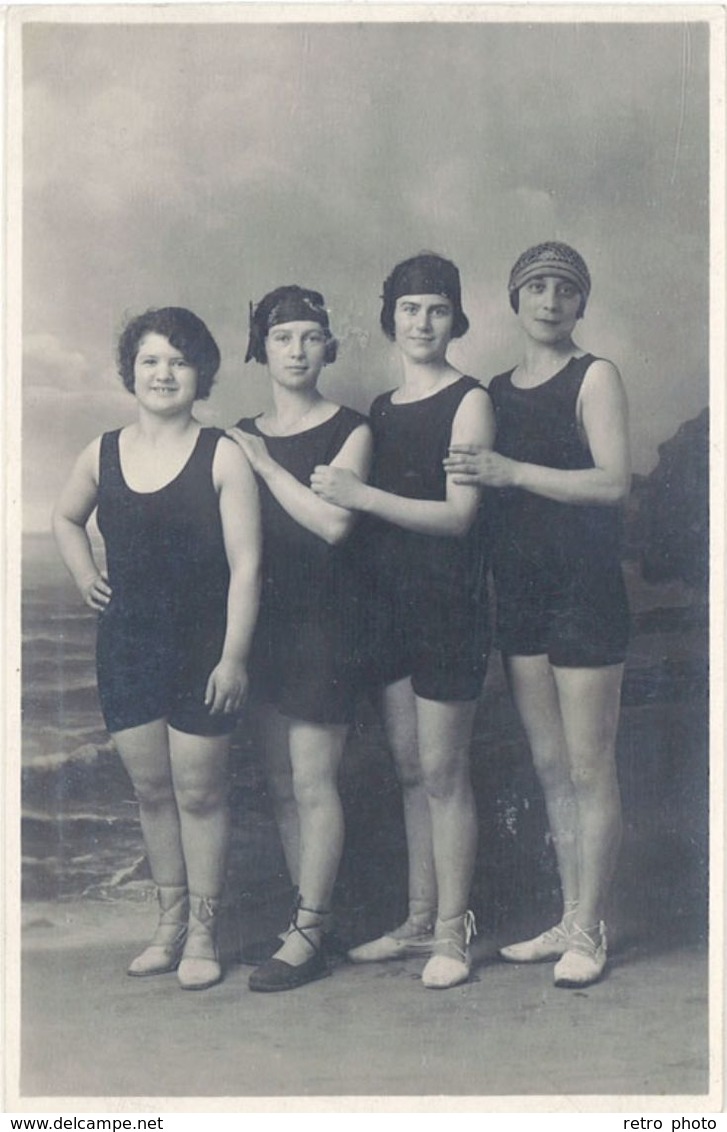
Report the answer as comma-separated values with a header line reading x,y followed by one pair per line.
x,y
97,593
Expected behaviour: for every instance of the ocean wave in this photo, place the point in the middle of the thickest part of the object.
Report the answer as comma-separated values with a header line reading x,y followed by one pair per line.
x,y
47,703
47,677
57,626
78,819
89,754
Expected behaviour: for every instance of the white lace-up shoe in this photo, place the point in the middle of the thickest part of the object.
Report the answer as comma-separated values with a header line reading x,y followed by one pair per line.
x,y
585,960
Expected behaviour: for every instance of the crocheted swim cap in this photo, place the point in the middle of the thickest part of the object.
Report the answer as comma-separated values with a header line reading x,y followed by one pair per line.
x,y
551,258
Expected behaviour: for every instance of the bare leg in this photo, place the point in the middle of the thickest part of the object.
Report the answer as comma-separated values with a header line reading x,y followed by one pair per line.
x,y
535,694
315,755
144,751
589,703
275,732
199,771
445,733
399,708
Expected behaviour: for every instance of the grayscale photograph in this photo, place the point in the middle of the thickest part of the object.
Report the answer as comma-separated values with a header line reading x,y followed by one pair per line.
x,y
364,743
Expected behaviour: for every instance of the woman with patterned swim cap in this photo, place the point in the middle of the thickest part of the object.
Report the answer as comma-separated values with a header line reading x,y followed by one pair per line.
x,y
561,464
303,658
178,512
429,609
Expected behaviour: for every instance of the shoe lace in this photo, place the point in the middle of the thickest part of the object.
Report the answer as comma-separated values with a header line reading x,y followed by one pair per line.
x,y
321,913
557,933
581,939
451,936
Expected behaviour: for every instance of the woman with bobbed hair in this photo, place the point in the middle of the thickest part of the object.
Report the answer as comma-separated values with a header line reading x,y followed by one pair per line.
x,y
185,331
177,508
562,469
303,663
428,613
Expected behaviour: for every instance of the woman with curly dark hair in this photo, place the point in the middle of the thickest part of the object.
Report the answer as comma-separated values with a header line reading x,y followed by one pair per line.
x,y
177,508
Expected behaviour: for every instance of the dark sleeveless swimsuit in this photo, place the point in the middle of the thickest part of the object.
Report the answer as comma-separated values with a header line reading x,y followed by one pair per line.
x,y
427,610
557,566
163,631
304,652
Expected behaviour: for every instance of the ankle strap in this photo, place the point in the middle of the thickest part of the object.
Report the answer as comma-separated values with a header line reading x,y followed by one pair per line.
x,y
299,906
295,926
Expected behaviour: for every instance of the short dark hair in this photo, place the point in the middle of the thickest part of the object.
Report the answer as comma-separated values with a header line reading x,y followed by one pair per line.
x,y
423,274
186,332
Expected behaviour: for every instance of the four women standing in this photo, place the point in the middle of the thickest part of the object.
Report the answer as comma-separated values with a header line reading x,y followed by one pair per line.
x,y
560,467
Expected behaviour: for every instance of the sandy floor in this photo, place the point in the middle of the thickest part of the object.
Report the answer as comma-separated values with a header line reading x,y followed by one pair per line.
x,y
89,1031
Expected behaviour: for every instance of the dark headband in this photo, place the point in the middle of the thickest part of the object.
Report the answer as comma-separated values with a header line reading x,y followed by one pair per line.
x,y
284,304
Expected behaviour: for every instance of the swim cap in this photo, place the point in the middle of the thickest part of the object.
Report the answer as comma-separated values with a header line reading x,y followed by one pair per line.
x,y
424,274
551,258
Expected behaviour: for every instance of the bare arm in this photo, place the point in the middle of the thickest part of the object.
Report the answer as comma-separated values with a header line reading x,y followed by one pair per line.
x,y
71,513
474,425
240,516
330,522
604,418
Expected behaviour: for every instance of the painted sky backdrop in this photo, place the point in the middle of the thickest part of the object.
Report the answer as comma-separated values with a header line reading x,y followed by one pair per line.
x,y
203,164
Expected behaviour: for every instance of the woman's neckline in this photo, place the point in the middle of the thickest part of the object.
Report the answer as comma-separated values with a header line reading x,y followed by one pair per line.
x,y
291,435
427,396
547,380
173,479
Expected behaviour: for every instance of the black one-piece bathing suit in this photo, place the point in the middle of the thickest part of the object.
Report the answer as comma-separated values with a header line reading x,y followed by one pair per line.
x,y
162,633
426,603
557,566
304,651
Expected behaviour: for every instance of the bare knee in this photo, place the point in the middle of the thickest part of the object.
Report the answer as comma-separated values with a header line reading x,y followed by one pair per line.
x,y
447,778
593,772
199,801
154,794
409,773
551,766
313,790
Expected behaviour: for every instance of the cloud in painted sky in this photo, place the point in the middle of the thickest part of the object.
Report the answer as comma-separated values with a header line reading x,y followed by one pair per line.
x,y
202,165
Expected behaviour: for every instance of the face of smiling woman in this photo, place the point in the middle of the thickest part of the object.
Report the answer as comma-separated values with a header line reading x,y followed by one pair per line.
x,y
548,308
164,381
423,327
296,352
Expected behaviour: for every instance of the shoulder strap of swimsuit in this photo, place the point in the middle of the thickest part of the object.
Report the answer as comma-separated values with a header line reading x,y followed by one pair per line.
x,y
109,462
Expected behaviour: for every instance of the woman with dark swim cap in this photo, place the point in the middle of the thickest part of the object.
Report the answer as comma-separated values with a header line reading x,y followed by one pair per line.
x,y
302,667
562,466
429,607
